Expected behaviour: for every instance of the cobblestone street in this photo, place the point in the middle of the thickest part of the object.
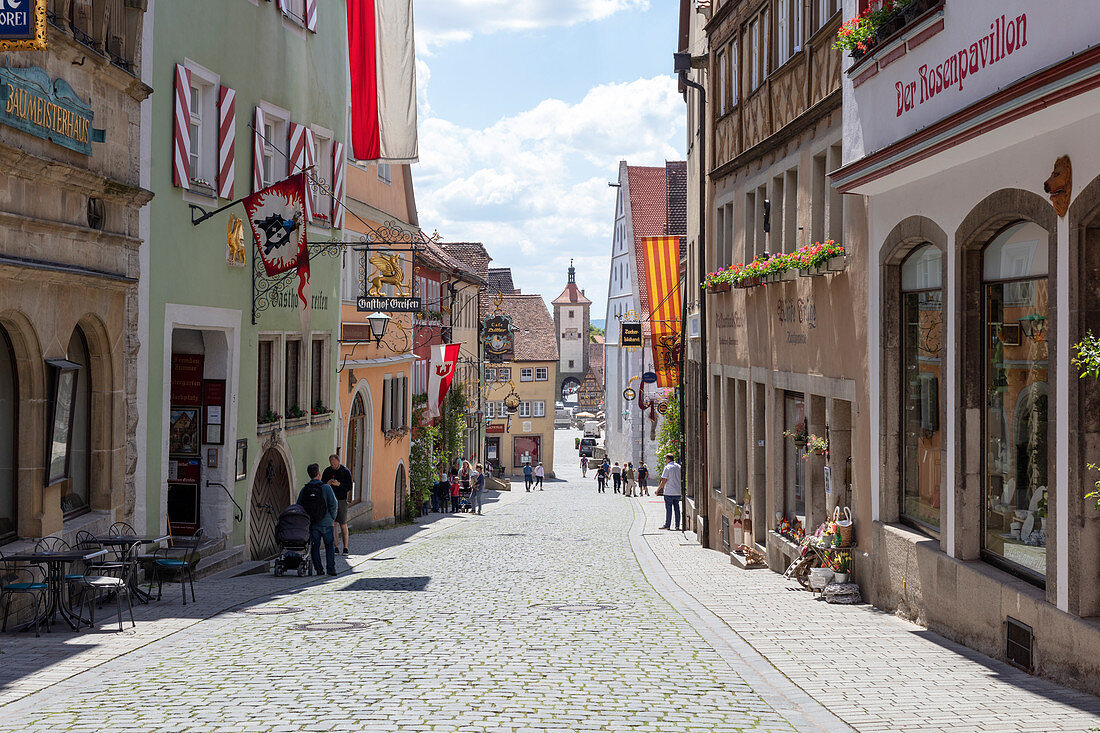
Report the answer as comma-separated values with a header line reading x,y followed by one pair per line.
x,y
556,611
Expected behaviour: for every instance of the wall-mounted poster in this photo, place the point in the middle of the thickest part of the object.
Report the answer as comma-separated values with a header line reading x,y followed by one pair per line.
x,y
61,420
183,431
213,400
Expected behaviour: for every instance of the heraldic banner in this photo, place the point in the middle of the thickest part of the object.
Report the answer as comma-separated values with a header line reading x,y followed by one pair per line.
x,y
441,372
278,228
662,266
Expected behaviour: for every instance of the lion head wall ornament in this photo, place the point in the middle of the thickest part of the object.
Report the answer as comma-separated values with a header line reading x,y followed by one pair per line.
x,y
1060,185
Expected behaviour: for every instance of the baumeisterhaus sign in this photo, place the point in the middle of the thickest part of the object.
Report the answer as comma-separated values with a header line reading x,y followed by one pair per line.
x,y
30,101
22,25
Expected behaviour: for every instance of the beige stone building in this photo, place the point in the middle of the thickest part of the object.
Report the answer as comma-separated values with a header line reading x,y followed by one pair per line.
x,y
71,194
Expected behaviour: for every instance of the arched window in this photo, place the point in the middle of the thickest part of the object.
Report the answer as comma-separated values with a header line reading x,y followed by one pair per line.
x,y
9,401
922,352
75,492
358,456
1016,295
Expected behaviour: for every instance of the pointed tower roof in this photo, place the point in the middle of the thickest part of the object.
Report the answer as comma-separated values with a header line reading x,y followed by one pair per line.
x,y
572,295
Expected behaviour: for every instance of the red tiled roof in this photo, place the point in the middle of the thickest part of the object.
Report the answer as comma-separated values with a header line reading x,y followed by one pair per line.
x,y
571,295
649,212
534,336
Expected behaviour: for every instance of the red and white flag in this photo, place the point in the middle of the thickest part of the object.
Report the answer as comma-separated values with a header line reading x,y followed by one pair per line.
x,y
276,215
383,80
441,372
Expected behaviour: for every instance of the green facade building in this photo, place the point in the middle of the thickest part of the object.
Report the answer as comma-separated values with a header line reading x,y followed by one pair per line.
x,y
246,91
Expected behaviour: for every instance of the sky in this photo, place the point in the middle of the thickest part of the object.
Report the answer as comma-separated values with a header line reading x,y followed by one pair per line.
x,y
525,109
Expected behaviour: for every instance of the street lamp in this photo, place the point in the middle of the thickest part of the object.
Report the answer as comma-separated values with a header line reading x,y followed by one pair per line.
x,y
378,322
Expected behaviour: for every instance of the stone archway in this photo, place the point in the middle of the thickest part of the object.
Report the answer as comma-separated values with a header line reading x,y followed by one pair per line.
x,y
569,383
270,495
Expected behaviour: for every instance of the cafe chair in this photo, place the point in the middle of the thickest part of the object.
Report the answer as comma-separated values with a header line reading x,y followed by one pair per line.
x,y
121,529
18,580
180,557
100,579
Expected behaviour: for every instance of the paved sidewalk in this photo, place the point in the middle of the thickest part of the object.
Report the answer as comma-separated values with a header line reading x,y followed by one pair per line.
x,y
874,670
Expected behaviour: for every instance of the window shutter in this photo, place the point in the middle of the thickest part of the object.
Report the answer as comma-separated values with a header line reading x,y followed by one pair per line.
x,y
181,130
227,138
337,217
300,153
311,15
284,6
258,151
309,155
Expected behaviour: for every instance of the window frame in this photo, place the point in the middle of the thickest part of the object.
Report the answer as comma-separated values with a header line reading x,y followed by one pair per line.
x,y
297,342
273,368
276,144
538,408
204,109
545,374
322,197
385,173
525,408
526,374
321,379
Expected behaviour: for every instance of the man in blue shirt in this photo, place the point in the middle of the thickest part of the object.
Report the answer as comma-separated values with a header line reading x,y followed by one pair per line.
x,y
528,475
317,499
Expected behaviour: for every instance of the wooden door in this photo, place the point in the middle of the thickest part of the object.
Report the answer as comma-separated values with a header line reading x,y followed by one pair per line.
x,y
400,495
270,496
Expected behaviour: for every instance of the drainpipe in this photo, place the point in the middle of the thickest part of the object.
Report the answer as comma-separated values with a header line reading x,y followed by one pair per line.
x,y
682,63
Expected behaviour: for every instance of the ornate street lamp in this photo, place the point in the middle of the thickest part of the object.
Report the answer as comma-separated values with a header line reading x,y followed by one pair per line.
x,y
378,322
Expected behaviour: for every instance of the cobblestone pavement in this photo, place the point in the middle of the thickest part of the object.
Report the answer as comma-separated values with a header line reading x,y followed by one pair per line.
x,y
560,610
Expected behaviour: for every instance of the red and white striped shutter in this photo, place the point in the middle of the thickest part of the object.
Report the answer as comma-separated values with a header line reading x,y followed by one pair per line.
x,y
181,130
311,15
309,154
258,151
283,7
337,218
297,147
227,139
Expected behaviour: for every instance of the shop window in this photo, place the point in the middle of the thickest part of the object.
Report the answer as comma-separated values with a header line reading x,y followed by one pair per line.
x,y
317,366
526,374
922,351
539,408
794,450
8,407
292,368
543,373
526,450
75,491
265,402
1016,361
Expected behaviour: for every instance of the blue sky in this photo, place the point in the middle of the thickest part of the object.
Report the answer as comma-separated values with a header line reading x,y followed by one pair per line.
x,y
525,109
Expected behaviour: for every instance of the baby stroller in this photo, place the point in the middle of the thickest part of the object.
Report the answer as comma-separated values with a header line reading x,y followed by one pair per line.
x,y
292,534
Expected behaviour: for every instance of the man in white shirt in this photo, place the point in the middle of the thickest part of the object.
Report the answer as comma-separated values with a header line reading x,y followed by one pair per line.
x,y
539,475
671,488
617,476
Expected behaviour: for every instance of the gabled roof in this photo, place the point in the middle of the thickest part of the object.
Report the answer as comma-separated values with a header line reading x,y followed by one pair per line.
x,y
500,280
436,257
470,255
572,295
534,335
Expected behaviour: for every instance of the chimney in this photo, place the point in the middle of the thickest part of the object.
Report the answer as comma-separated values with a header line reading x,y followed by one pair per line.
x,y
582,291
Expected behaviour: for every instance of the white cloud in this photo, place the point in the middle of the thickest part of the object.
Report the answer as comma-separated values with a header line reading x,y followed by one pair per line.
x,y
446,21
533,186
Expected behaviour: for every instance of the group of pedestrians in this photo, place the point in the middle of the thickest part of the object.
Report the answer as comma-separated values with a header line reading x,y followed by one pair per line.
x,y
532,477
453,482
325,500
626,480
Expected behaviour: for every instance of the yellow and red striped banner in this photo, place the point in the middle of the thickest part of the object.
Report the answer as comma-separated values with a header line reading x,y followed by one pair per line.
x,y
662,266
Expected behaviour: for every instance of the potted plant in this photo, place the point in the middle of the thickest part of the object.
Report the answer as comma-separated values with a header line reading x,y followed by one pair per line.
x,y
798,434
816,445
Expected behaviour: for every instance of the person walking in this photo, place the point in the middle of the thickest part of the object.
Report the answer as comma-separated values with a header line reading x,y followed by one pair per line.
x,y
528,475
628,479
317,499
643,478
671,488
539,475
584,466
601,480
339,478
617,477
477,490
465,475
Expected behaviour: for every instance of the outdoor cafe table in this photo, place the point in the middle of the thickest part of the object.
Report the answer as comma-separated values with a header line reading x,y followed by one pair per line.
x,y
126,542
55,563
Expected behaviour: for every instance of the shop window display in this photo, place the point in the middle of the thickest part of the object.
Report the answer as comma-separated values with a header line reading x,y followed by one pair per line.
x,y
922,374
1016,297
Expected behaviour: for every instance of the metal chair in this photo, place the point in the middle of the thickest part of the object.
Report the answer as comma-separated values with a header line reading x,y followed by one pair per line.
x,y
121,529
182,557
106,578
21,580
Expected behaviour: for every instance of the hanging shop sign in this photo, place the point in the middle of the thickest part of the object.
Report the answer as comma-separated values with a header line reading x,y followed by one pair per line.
x,y
496,335
51,109
649,377
23,25
389,269
630,335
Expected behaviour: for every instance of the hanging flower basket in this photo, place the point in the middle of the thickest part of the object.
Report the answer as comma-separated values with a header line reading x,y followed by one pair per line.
x,y
836,264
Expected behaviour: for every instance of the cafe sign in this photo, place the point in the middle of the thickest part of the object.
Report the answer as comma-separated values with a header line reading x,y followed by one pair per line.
x,y
22,25
30,101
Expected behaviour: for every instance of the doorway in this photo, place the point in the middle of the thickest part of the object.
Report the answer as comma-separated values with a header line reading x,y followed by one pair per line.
x,y
270,496
400,495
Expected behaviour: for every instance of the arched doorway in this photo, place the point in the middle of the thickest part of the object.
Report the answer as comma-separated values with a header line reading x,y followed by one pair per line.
x,y
270,495
9,400
359,446
400,495
569,386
